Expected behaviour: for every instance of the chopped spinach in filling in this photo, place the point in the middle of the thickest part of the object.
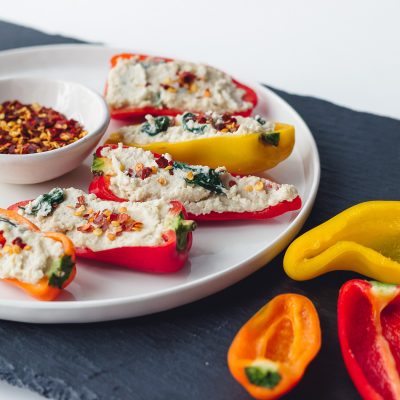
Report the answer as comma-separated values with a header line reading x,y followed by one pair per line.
x,y
207,178
189,123
156,125
45,203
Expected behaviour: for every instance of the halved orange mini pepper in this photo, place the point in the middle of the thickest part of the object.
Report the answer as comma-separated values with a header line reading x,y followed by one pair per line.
x,y
364,238
270,353
60,274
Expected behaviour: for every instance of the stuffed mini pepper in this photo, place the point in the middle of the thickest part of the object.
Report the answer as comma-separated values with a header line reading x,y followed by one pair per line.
x,y
140,84
244,145
40,263
130,173
153,236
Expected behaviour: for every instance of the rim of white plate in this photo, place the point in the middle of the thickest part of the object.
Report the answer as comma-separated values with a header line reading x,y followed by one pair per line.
x,y
295,225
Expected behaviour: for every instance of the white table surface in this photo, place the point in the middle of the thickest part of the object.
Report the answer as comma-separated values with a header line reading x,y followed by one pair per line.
x,y
342,51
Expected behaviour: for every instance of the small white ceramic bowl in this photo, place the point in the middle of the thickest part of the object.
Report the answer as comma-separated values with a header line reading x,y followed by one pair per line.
x,y
71,99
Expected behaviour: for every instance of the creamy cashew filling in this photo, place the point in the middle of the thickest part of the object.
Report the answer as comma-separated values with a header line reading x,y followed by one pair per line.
x,y
98,225
172,84
25,255
189,126
138,175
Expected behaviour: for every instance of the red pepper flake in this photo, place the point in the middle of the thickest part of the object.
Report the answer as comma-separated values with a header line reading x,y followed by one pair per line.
x,y
128,226
87,228
186,78
162,162
19,242
81,201
122,218
99,219
113,217
202,119
102,220
105,225
2,240
226,123
145,172
32,128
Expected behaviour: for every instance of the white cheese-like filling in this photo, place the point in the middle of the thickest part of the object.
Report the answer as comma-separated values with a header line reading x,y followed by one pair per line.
x,y
77,219
30,257
172,84
240,194
179,131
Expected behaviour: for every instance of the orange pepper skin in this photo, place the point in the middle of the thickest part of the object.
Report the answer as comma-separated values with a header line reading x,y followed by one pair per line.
x,y
42,289
272,350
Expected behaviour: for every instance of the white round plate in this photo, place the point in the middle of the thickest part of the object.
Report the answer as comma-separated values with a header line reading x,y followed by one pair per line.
x,y
222,253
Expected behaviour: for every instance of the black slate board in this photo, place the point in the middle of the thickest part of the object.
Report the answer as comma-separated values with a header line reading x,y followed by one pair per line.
x,y
180,354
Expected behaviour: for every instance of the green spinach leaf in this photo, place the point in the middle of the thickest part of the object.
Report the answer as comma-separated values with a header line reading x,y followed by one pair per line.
x,y
207,178
160,124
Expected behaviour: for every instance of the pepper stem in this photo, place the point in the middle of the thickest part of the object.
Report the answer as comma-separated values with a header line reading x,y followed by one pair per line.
x,y
182,228
188,225
60,271
263,373
270,138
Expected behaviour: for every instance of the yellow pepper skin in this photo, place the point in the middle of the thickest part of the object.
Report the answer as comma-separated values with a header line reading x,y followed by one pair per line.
x,y
243,154
364,238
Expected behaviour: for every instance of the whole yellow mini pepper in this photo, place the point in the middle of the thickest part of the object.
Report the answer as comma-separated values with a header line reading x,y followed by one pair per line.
x,y
239,154
364,238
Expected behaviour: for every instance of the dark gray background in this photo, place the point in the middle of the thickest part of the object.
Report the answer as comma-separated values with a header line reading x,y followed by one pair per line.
x,y
181,354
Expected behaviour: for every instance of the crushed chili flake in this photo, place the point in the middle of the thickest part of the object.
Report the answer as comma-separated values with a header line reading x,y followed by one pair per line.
x,y
226,123
87,228
141,172
2,240
19,242
186,78
81,201
32,128
146,172
111,222
162,162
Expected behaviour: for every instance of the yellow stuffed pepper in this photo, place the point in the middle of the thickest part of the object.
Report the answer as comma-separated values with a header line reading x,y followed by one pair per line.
x,y
244,145
364,238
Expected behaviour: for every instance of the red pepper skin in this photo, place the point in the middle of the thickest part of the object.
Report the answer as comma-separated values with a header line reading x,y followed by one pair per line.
x,y
100,186
269,212
162,259
369,335
134,114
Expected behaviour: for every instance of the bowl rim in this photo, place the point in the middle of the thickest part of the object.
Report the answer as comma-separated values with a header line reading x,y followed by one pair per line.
x,y
102,124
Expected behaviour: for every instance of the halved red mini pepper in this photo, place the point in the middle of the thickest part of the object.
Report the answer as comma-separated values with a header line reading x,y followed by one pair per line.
x,y
168,257
137,114
100,186
270,353
369,334
61,274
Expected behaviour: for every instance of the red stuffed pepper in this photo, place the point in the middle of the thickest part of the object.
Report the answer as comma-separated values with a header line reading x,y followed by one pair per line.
x,y
152,237
369,334
140,84
130,173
